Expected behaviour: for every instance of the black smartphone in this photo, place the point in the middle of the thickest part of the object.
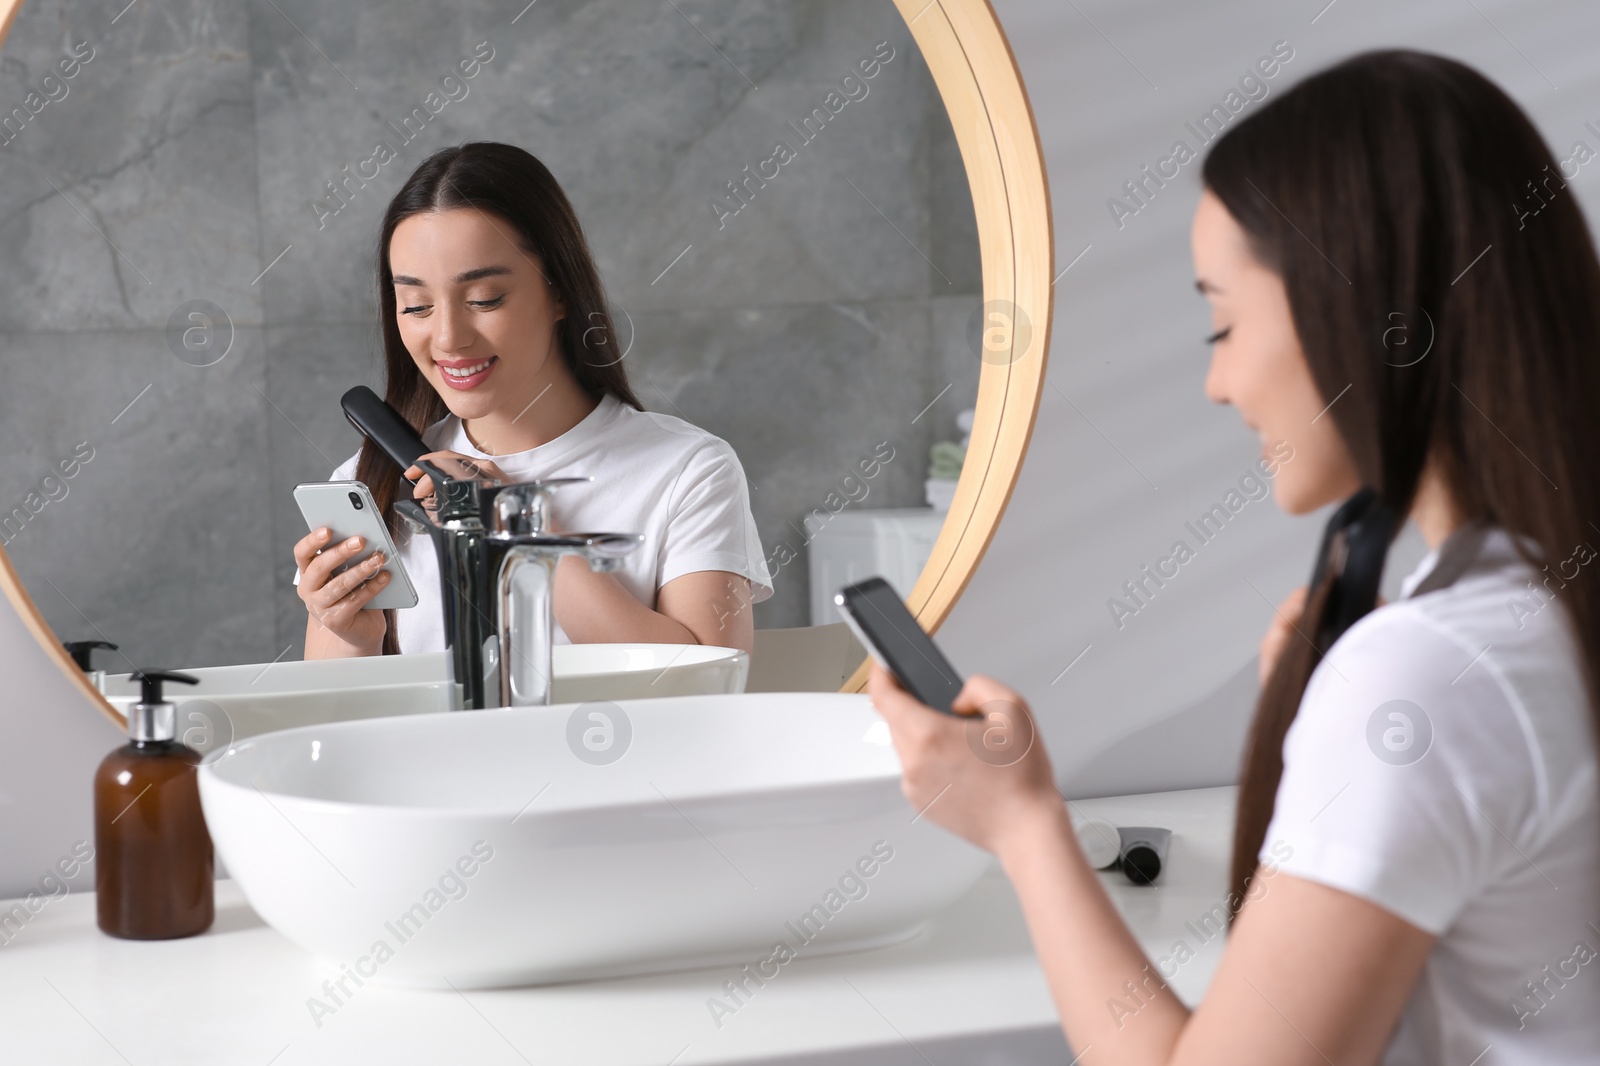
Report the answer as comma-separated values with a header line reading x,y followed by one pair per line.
x,y
880,619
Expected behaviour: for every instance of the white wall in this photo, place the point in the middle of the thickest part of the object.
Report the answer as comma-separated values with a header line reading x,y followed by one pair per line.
x,y
1127,447
54,741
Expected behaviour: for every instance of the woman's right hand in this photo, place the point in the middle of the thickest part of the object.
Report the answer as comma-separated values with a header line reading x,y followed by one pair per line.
x,y
335,602
1282,630
1283,627
985,756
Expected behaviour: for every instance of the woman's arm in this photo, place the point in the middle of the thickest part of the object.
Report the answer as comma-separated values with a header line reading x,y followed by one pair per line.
x,y
705,607
1310,974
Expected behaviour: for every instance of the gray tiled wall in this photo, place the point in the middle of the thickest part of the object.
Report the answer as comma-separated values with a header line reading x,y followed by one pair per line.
x,y
185,157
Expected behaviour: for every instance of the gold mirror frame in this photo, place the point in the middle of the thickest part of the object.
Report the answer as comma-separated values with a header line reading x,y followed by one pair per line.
x,y
981,87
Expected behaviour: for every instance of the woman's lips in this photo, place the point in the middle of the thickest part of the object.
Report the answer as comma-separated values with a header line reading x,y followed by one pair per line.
x,y
480,370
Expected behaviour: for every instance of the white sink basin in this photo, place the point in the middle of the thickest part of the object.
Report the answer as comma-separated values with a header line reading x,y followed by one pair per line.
x,y
293,675
646,671
234,702
534,845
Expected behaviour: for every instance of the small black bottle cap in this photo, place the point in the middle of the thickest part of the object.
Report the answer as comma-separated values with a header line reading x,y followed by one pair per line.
x,y
1141,864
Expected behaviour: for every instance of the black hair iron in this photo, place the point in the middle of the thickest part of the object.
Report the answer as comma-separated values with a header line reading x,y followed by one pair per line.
x,y
1355,545
382,425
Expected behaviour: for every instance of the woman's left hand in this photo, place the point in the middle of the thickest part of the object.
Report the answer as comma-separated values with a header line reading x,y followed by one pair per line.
x,y
984,776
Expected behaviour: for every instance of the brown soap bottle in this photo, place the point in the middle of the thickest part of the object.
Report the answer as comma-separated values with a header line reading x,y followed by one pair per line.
x,y
153,873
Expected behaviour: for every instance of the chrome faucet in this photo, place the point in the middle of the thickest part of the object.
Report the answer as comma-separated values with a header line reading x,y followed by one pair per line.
x,y
497,566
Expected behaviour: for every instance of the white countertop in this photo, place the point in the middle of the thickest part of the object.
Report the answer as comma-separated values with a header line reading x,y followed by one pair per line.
x,y
967,989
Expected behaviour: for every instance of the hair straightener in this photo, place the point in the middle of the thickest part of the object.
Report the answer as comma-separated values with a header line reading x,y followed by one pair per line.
x,y
382,425
1356,545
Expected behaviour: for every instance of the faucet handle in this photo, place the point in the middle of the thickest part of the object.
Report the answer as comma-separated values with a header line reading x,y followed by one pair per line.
x,y
522,507
613,544
603,551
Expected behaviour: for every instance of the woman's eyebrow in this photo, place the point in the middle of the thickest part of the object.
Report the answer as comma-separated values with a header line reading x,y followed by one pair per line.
x,y
470,275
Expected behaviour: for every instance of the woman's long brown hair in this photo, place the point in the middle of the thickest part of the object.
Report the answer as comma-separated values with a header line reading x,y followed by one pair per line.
x,y
1404,189
520,191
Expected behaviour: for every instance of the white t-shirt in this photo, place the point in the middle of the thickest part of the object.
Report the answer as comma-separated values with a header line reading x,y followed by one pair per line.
x,y
1442,765
655,474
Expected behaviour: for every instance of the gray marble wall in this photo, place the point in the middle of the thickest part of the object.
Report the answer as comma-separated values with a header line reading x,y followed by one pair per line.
x,y
184,160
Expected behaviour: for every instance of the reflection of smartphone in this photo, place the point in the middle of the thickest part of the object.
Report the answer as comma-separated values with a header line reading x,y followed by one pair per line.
x,y
879,618
346,508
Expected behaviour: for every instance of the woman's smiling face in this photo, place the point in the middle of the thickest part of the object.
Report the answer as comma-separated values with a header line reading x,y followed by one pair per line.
x,y
474,310
1258,365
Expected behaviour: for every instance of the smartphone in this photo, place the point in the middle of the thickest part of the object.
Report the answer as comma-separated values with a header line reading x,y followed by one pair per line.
x,y
347,508
880,619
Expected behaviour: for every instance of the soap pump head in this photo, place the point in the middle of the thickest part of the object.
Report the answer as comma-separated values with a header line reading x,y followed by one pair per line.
x,y
152,718
80,651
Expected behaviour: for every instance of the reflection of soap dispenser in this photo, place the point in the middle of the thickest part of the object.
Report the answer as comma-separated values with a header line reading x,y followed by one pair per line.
x,y
153,860
80,650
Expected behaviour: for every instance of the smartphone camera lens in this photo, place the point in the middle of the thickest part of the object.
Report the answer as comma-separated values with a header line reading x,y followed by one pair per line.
x,y
355,501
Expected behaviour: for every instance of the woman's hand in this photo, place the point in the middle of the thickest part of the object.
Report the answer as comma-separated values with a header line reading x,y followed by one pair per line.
x,y
424,485
335,602
984,777
1284,621
1284,624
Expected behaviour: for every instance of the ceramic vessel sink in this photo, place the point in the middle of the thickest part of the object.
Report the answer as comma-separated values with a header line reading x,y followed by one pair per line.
x,y
646,671
234,702
536,845
311,675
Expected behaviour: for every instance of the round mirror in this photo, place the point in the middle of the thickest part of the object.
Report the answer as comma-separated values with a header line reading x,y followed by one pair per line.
x,y
822,229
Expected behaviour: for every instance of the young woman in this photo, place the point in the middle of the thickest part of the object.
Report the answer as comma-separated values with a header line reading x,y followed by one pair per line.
x,y
498,348
1423,788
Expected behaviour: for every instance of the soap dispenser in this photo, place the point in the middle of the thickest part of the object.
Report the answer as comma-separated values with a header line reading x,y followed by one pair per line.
x,y
153,860
80,650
